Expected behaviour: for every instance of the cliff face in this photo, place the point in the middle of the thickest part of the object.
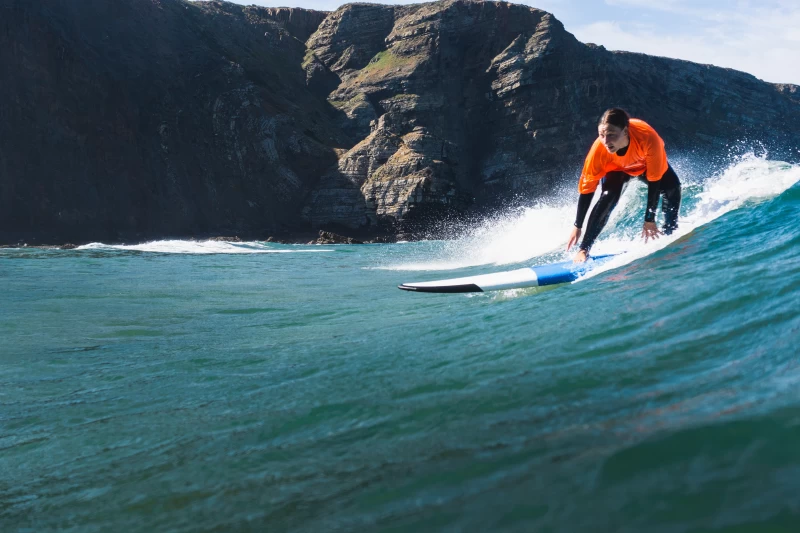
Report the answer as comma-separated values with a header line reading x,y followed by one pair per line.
x,y
146,118
300,23
416,97
143,118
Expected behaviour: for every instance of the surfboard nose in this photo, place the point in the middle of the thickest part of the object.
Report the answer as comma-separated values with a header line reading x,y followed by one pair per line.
x,y
467,287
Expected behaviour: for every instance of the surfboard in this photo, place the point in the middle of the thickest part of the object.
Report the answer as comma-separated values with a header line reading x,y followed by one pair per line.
x,y
537,276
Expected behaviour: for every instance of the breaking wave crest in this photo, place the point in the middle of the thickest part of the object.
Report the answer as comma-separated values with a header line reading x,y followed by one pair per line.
x,y
205,247
538,234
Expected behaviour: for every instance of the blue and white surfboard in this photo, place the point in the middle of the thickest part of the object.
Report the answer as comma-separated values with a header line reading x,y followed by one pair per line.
x,y
537,276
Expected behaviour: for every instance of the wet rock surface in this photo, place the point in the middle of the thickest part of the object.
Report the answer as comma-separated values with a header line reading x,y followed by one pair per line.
x,y
328,237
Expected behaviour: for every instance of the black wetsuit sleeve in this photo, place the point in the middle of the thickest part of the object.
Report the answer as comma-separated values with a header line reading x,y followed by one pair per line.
x,y
583,207
653,191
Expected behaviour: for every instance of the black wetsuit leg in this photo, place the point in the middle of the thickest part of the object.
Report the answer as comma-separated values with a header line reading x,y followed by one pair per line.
x,y
612,186
670,199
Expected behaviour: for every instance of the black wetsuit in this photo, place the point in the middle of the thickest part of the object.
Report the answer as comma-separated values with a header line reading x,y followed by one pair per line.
x,y
669,187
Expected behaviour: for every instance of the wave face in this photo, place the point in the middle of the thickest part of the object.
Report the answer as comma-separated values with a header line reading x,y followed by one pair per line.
x,y
537,234
180,386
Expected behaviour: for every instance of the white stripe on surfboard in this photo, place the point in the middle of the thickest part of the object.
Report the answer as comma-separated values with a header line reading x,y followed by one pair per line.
x,y
520,278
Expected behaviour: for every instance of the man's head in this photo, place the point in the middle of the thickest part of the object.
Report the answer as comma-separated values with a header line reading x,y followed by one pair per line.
x,y
613,129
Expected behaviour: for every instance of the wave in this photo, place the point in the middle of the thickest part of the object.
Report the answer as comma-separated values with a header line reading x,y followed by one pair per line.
x,y
538,234
512,237
206,247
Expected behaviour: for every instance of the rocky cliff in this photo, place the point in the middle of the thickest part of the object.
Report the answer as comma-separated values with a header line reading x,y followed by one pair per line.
x,y
135,119
145,118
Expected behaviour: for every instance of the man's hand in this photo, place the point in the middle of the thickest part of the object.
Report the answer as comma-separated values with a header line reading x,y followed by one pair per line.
x,y
573,237
650,231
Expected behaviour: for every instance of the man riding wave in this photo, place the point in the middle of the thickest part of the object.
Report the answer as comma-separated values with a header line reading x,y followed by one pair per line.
x,y
625,148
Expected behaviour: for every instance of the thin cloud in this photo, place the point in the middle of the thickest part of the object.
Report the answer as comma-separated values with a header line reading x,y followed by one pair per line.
x,y
775,62
761,41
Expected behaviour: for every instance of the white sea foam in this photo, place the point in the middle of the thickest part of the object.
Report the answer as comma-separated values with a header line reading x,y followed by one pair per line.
x,y
513,237
523,235
206,247
751,179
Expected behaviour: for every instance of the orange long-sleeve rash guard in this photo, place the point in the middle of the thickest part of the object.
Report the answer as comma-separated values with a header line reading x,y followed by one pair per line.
x,y
645,155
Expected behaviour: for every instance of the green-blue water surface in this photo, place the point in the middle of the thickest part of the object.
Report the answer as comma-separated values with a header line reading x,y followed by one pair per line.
x,y
300,391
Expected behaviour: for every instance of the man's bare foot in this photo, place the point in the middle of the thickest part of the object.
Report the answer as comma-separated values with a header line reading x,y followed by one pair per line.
x,y
581,257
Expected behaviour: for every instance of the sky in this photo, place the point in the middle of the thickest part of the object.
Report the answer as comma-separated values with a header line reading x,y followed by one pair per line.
x,y
759,37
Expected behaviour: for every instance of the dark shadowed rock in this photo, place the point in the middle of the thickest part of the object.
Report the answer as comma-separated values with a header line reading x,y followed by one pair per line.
x,y
137,119
328,237
792,91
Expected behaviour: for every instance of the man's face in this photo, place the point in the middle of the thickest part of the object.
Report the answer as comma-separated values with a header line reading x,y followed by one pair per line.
x,y
612,137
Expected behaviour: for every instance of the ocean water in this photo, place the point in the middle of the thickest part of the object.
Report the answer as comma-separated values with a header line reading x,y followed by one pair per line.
x,y
204,386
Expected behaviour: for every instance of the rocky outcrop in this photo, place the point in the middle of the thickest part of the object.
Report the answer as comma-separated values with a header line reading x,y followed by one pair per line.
x,y
138,119
792,91
328,237
417,105
300,23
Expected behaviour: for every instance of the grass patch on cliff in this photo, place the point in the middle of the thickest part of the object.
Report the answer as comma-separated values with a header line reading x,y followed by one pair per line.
x,y
355,101
401,97
385,62
308,58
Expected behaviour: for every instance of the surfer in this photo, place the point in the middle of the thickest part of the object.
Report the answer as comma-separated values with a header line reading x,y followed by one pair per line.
x,y
625,148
